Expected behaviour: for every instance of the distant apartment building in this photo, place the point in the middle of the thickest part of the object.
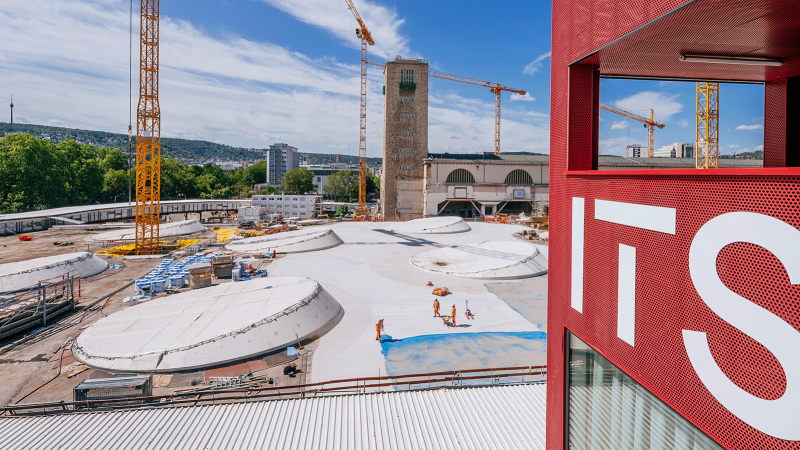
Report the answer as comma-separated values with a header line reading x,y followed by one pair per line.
x,y
675,150
323,171
633,151
405,137
302,206
281,158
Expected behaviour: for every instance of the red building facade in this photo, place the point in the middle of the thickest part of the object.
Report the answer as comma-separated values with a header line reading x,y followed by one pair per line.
x,y
674,304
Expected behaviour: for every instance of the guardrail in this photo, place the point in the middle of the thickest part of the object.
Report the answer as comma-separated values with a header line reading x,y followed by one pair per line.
x,y
432,380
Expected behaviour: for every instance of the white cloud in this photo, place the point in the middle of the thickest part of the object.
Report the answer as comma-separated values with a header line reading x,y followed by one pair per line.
x,y
682,123
55,123
749,127
517,97
615,146
382,23
621,125
733,146
535,66
664,105
760,147
67,61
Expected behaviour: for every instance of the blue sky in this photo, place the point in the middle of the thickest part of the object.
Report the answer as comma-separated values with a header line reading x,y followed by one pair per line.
x,y
254,72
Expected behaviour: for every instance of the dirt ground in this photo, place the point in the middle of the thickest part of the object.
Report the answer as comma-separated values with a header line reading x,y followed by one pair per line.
x,y
29,362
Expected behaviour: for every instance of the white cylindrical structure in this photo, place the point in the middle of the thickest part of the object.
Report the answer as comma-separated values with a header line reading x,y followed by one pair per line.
x,y
431,225
165,230
490,260
27,274
209,327
306,240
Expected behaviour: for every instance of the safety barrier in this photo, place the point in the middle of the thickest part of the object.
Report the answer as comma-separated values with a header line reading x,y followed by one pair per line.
x,y
234,393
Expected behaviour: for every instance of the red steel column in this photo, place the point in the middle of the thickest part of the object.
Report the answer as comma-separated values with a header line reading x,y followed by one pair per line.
x,y
583,117
782,123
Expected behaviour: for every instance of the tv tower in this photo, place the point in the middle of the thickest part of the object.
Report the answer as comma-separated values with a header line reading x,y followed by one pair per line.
x,y
12,109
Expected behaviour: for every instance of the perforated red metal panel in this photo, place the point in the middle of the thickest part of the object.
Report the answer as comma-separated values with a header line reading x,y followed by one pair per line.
x,y
751,28
666,301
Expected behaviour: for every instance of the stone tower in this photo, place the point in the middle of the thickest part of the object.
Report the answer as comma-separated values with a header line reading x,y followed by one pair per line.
x,y
405,138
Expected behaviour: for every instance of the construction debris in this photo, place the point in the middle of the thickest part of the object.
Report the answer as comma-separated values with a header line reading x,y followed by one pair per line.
x,y
73,369
441,292
161,381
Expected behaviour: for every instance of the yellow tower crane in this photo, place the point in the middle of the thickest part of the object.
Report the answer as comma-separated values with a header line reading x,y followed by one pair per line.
x,y
649,124
148,135
363,33
706,153
495,88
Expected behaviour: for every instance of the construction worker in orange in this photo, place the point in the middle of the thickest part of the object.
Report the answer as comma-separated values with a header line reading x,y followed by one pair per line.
x,y
453,315
378,329
436,307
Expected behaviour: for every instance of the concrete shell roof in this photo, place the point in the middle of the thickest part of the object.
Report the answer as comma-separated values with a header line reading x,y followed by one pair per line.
x,y
431,225
182,228
208,326
495,260
305,240
24,274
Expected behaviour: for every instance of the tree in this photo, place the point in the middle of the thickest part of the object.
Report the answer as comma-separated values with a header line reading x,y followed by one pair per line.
x,y
256,174
340,211
113,160
342,185
269,190
115,184
30,174
373,184
298,182
82,172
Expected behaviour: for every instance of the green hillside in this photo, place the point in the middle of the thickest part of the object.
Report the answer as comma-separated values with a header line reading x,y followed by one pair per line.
x,y
182,149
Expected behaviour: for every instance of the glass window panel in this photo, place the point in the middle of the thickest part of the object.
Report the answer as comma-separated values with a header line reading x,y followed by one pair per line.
x,y
608,410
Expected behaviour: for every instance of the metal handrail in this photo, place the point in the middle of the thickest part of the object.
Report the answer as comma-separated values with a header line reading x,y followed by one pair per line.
x,y
348,385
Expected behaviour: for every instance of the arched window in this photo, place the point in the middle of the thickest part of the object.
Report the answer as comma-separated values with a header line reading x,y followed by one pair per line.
x,y
519,177
460,176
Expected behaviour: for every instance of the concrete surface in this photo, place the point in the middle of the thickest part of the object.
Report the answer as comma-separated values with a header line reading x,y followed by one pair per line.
x,y
370,275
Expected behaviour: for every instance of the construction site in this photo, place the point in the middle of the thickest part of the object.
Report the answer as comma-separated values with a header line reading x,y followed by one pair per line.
x,y
233,324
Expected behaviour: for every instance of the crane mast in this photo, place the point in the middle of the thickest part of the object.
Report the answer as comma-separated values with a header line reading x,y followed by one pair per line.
x,y
148,135
706,153
366,39
649,124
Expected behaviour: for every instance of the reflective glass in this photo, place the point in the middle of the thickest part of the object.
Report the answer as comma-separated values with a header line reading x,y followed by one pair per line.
x,y
609,410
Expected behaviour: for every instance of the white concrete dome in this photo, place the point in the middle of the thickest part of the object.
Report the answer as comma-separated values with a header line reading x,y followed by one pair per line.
x,y
209,327
165,230
26,274
490,260
431,225
306,240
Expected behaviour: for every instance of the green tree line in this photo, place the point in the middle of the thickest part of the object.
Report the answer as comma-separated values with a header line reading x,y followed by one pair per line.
x,y
39,174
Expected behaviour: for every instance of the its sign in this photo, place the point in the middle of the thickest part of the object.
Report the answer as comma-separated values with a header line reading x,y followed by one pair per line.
x,y
777,418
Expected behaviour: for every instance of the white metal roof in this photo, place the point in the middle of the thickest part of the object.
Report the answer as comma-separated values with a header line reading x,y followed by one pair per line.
x,y
38,214
496,260
431,225
496,417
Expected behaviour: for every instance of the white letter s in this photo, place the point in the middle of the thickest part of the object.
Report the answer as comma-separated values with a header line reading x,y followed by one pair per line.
x,y
781,417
